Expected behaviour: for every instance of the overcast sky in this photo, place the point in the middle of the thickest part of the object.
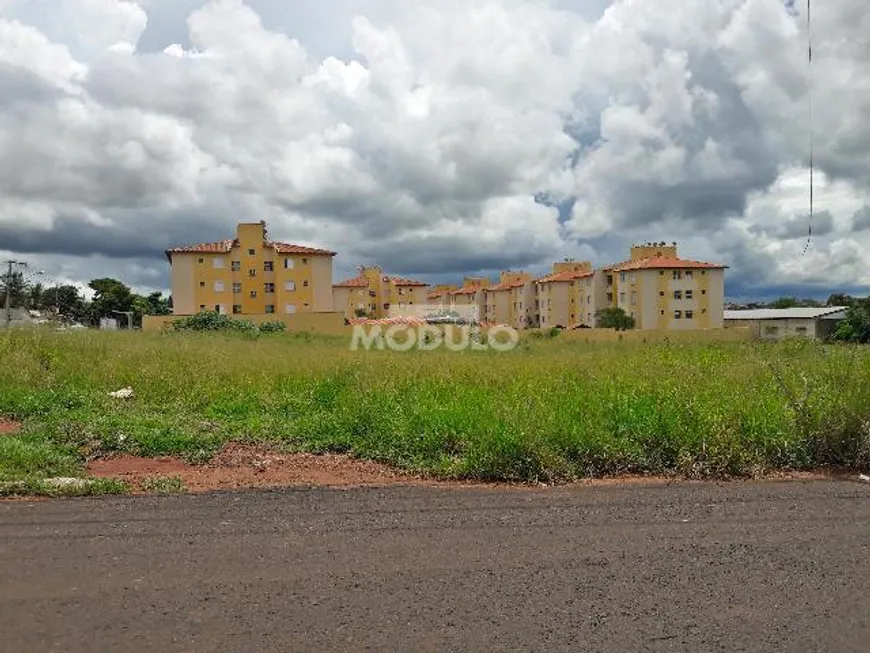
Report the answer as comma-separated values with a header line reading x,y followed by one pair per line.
x,y
438,138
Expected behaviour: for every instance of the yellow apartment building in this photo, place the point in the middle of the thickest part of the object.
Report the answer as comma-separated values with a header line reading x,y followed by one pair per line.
x,y
663,291
378,295
510,301
469,298
565,297
250,275
439,296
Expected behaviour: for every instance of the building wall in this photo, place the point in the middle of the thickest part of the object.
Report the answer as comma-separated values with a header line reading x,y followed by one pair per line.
x,y
183,282
296,283
321,279
556,303
779,329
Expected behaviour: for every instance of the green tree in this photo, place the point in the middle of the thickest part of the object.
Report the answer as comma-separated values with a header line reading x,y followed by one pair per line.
x,y
840,299
67,302
111,297
856,325
784,302
614,318
17,285
153,304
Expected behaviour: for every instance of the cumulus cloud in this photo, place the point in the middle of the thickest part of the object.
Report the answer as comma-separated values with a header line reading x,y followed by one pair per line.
x,y
434,138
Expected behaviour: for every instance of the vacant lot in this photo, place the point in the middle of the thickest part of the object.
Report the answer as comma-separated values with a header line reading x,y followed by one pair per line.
x,y
549,410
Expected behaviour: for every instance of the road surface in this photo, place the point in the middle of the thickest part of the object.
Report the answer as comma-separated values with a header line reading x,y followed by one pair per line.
x,y
689,567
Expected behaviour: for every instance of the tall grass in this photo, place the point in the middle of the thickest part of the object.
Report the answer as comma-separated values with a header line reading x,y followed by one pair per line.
x,y
548,410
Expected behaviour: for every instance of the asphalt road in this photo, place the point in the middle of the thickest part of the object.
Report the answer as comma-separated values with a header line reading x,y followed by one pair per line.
x,y
690,567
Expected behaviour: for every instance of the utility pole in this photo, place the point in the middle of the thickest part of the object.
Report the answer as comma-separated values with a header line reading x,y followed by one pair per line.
x,y
10,264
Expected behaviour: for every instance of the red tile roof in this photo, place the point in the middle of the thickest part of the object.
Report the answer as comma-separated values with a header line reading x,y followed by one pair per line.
x,y
507,285
225,246
664,263
355,282
289,248
400,281
466,291
218,247
437,294
564,276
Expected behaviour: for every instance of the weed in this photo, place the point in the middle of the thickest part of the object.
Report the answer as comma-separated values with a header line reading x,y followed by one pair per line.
x,y
554,408
163,484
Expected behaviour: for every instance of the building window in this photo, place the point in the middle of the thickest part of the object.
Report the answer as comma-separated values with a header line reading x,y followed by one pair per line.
x,y
270,308
305,305
771,330
288,263
235,266
622,277
678,315
689,294
688,274
237,289
703,292
632,280
634,299
269,288
202,260
252,272
218,262
661,293
291,308
237,308
218,286
678,294
202,284
305,283
677,274
622,298
801,330
663,312
290,286
253,294
252,252
305,261
218,308
268,266
690,315
202,307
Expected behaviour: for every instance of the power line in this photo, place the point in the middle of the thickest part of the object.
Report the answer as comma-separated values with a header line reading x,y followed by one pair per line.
x,y
810,116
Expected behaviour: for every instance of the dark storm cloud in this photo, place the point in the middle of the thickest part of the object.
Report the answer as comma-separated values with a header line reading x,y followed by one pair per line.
x,y
861,219
798,226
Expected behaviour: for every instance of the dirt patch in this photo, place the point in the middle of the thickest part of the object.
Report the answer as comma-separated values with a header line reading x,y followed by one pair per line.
x,y
245,466
8,426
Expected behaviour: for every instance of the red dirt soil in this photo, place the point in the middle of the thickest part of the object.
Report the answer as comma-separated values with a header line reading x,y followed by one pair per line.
x,y
8,427
246,466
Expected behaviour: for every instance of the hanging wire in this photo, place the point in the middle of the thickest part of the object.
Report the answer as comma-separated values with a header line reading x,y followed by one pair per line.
x,y
810,112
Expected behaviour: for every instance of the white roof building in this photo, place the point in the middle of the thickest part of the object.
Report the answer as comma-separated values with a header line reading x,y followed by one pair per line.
x,y
777,323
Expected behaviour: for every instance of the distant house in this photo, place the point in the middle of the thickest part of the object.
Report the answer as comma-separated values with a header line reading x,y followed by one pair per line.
x,y
778,323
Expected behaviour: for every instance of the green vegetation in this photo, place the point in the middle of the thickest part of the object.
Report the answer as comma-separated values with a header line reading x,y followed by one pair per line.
x,y
614,318
163,484
552,409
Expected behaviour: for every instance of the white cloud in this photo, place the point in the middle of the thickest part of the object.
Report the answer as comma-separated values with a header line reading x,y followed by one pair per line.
x,y
385,127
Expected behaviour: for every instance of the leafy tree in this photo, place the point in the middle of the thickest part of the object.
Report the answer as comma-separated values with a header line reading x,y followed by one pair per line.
x,y
66,301
153,304
856,325
784,302
111,297
17,289
840,299
614,318
34,296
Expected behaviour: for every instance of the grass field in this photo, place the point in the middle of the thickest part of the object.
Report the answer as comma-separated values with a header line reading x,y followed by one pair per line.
x,y
549,410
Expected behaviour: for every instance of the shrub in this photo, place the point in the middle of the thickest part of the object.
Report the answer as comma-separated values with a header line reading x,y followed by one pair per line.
x,y
273,327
